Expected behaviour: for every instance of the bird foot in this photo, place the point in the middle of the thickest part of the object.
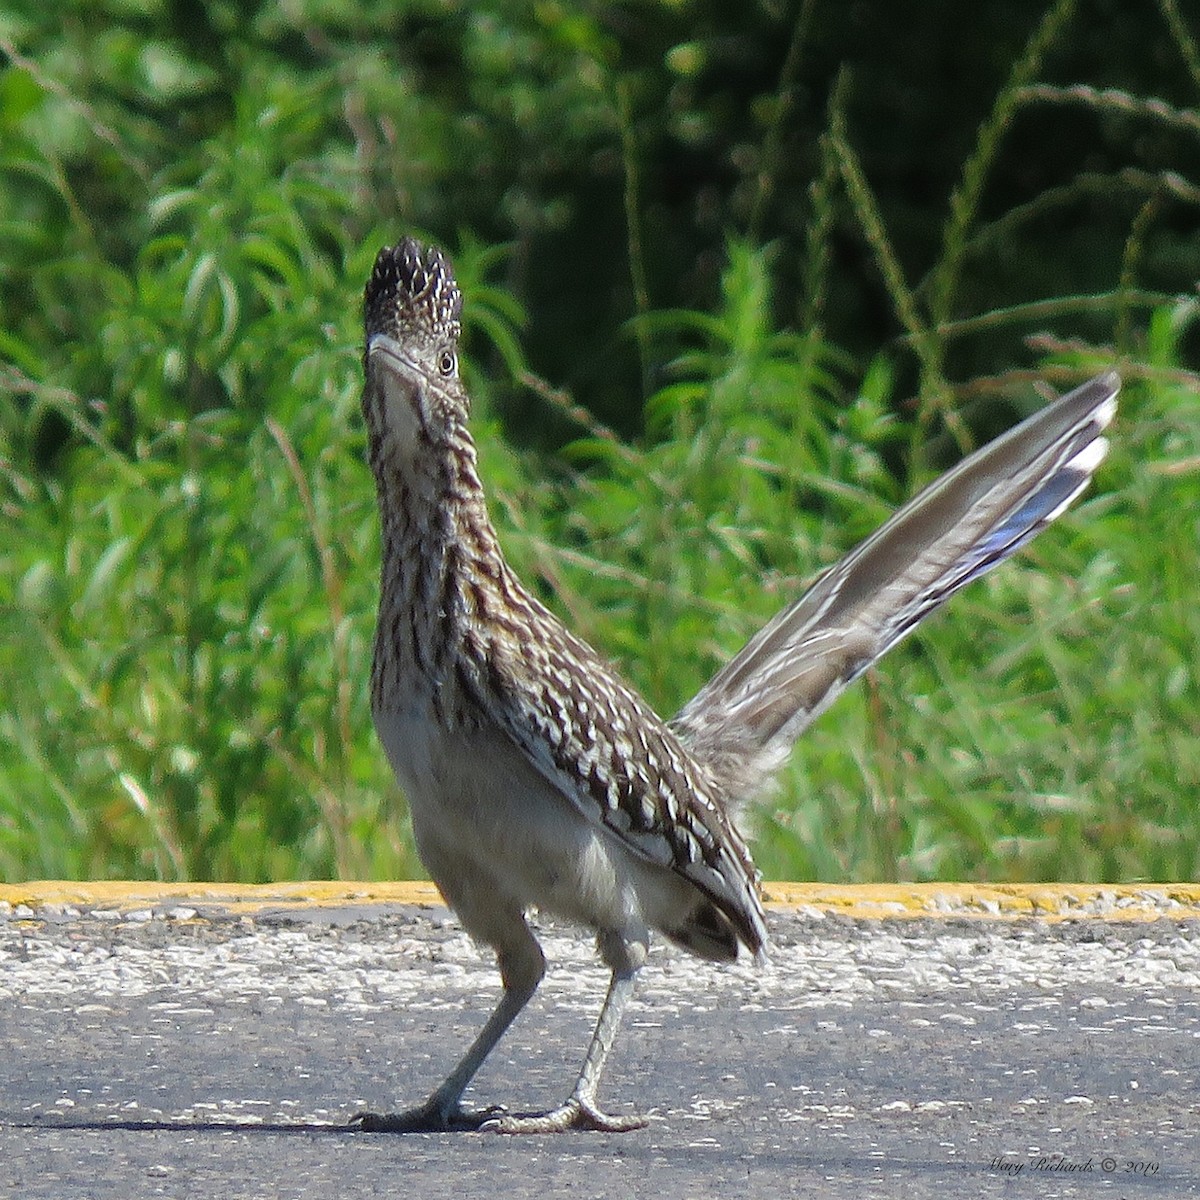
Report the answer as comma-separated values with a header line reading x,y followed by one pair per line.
x,y
425,1118
574,1114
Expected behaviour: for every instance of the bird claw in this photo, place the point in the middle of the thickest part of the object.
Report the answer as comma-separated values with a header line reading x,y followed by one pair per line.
x,y
574,1114
426,1118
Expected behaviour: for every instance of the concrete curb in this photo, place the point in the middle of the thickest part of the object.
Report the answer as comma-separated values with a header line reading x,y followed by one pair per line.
x,y
1056,901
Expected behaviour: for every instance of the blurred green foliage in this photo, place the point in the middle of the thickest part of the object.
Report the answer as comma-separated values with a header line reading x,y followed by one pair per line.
x,y
709,253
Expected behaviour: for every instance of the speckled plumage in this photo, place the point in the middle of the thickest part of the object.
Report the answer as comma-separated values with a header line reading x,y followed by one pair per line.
x,y
457,626
535,775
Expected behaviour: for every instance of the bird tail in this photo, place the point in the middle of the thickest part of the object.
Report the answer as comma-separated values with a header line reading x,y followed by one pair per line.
x,y
743,722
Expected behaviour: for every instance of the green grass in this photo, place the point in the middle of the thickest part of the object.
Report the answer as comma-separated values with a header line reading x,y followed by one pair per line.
x,y
188,550
188,630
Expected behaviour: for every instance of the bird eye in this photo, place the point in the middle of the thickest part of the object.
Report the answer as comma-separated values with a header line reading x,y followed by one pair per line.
x,y
447,362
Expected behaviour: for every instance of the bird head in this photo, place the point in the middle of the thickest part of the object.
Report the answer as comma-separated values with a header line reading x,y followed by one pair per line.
x,y
411,310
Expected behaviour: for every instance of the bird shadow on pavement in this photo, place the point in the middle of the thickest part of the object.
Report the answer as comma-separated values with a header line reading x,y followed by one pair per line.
x,y
167,1126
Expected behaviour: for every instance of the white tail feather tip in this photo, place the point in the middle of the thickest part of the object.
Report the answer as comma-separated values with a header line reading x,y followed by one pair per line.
x,y
1089,458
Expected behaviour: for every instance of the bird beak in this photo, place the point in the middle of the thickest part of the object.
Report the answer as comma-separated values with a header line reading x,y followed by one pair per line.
x,y
401,385
384,353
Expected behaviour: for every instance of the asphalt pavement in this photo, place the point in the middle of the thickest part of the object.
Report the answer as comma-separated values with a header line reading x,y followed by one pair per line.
x,y
169,1044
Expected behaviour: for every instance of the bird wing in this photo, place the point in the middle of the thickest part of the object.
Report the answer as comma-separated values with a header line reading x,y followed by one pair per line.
x,y
618,763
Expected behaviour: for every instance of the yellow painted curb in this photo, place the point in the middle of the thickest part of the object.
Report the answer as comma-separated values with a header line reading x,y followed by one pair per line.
x,y
1116,901
131,894
1053,901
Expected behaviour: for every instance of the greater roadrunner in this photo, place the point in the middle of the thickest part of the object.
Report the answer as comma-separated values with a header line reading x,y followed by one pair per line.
x,y
535,776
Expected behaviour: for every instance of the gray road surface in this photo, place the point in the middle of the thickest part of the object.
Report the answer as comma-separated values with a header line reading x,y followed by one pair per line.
x,y
182,1054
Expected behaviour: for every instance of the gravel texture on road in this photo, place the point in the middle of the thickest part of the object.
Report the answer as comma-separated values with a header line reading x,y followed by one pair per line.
x,y
173,1045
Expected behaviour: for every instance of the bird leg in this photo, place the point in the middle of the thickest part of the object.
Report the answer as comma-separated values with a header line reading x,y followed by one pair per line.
x,y
579,1111
443,1111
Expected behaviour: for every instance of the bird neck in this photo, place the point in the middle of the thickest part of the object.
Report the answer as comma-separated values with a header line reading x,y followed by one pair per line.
x,y
442,565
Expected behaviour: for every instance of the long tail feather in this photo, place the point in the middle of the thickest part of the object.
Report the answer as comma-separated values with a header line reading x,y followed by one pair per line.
x,y
743,721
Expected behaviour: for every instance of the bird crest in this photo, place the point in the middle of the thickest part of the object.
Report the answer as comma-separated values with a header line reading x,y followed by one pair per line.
x,y
411,296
